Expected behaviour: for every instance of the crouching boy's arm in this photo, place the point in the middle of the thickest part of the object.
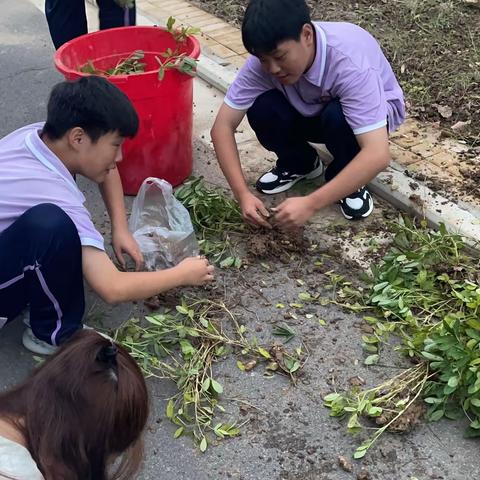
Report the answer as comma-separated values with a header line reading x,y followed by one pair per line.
x,y
114,286
223,137
374,156
122,240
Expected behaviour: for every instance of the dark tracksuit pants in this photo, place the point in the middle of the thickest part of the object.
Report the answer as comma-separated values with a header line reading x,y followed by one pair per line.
x,y
41,266
283,130
67,19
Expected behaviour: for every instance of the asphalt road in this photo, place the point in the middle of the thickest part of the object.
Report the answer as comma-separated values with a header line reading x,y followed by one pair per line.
x,y
292,437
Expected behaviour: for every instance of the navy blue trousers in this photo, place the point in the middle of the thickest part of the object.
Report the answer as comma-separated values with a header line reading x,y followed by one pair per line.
x,y
67,19
283,130
41,266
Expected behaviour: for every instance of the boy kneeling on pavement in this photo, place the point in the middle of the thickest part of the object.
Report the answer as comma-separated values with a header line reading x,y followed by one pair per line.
x,y
319,82
48,242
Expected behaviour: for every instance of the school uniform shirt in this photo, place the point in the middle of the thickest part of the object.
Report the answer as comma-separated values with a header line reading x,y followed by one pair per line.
x,y
16,463
31,174
349,65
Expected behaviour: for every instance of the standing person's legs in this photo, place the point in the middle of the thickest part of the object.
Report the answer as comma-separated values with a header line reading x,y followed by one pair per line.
x,y
41,266
111,15
277,126
66,19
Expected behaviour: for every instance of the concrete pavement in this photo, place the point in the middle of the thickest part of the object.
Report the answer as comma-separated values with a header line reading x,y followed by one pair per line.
x,y
291,437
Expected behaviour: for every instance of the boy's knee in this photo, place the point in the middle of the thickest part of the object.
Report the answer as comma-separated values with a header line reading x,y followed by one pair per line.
x,y
267,109
333,116
47,219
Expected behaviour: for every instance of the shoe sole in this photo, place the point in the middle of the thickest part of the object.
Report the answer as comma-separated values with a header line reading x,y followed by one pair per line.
x,y
309,176
364,215
34,347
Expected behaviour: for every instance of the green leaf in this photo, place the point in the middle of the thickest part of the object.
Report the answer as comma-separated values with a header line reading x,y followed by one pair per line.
x,y
375,411
331,397
240,366
206,384
436,415
359,453
453,381
178,432
216,386
431,356
170,23
203,445
371,359
182,310
170,409
228,262
264,353
305,296
475,402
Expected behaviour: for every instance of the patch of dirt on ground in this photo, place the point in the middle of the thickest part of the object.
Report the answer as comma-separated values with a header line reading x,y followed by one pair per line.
x,y
277,244
433,45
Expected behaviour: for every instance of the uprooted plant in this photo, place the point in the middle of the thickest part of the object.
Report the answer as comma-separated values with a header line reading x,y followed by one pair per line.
x,y
171,59
426,291
183,346
216,219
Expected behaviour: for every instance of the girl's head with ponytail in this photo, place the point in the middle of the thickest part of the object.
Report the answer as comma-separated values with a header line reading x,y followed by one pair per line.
x,y
82,410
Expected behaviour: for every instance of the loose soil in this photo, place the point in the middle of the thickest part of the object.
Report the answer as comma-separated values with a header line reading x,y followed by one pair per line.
x,y
276,244
433,45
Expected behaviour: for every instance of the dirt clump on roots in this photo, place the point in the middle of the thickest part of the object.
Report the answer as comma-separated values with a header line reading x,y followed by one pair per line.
x,y
265,244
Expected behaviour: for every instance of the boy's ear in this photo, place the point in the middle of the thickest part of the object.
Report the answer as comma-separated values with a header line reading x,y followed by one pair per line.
x,y
76,137
307,33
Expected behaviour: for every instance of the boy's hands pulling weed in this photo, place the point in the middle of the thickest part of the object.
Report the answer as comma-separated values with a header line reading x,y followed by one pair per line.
x,y
294,212
195,271
253,210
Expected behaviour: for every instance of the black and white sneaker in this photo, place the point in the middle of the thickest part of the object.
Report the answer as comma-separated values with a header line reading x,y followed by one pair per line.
x,y
276,181
357,205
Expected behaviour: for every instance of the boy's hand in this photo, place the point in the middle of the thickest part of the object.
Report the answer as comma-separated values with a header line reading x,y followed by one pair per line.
x,y
253,210
294,212
195,271
123,242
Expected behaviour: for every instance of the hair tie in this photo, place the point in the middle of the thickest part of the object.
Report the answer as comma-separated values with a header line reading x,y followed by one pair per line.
x,y
108,355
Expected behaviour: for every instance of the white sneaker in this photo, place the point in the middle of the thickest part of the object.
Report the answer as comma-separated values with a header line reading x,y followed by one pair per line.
x,y
276,181
35,345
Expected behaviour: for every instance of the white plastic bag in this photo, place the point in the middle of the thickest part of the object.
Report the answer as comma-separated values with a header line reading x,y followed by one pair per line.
x,y
161,225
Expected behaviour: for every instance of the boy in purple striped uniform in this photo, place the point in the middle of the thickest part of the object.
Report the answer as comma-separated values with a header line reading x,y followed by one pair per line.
x,y
48,242
309,82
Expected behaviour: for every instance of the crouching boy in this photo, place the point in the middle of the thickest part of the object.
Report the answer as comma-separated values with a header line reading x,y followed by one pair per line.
x,y
318,82
48,242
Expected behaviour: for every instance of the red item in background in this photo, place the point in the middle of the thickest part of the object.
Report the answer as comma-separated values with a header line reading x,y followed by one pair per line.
x,y
163,145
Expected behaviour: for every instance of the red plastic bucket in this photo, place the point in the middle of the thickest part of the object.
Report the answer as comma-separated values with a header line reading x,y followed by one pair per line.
x,y
163,145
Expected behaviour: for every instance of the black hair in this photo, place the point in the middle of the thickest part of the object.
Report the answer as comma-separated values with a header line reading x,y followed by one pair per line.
x,y
92,103
269,22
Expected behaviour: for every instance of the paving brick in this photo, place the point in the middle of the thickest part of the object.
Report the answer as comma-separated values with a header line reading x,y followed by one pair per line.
x,y
427,149
218,33
428,169
200,17
403,156
181,12
443,159
214,27
230,36
407,141
222,51
169,5
410,125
